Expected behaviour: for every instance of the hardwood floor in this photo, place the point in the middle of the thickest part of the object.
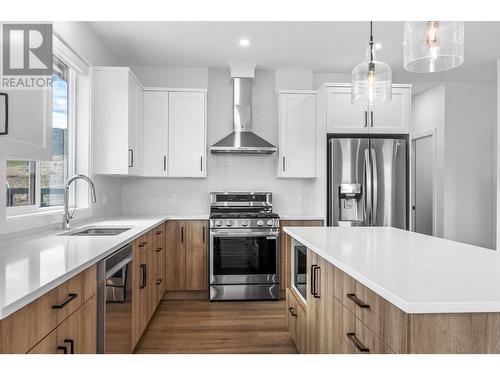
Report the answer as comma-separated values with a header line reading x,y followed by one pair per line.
x,y
200,326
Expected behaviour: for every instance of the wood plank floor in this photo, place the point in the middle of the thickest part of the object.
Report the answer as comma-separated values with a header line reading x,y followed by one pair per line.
x,y
200,326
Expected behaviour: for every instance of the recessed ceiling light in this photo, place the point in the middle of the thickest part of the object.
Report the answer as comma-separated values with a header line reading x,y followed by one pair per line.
x,y
244,42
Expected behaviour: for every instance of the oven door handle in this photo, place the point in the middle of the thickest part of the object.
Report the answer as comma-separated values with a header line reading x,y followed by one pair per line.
x,y
244,234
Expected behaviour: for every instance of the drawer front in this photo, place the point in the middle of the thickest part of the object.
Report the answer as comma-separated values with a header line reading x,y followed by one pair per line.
x,y
383,318
356,338
51,309
159,234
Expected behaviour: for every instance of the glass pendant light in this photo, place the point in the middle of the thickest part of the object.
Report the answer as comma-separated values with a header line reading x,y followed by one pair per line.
x,y
371,80
433,46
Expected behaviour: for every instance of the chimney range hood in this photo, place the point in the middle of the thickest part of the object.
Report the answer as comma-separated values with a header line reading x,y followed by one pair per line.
x,y
242,140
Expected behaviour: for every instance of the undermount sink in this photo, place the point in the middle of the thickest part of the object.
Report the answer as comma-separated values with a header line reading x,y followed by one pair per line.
x,y
97,231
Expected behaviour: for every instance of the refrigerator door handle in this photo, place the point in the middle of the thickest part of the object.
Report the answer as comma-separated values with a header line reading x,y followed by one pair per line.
x,y
375,186
368,189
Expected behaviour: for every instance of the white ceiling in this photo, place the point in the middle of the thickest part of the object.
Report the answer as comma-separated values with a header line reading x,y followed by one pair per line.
x,y
318,46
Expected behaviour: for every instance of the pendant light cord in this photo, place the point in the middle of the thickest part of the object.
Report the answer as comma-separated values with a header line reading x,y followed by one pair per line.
x,y
371,40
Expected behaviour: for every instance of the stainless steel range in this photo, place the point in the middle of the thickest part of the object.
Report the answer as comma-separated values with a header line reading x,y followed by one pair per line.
x,y
244,247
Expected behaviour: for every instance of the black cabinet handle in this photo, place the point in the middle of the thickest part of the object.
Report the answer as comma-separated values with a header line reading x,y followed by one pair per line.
x,y
366,119
357,301
158,282
284,165
316,293
201,163
71,345
352,336
371,119
6,126
313,278
67,300
142,244
203,234
63,348
159,232
292,311
144,276
159,249
164,163
182,234
131,158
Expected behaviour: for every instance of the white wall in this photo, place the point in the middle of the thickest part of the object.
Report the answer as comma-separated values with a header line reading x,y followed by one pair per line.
x,y
228,172
470,168
464,115
158,76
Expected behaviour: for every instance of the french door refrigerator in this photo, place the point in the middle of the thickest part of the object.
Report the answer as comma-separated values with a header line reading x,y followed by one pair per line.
x,y
367,182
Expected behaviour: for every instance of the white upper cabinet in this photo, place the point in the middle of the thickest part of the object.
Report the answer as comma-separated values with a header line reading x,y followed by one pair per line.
x,y
186,134
155,134
117,113
175,133
26,124
344,117
297,134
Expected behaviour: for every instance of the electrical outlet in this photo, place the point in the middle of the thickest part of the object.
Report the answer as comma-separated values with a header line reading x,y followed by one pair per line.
x,y
300,198
173,198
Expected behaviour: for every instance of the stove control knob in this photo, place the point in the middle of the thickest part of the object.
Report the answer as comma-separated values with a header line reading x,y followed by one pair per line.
x,y
218,223
260,223
244,223
270,222
229,223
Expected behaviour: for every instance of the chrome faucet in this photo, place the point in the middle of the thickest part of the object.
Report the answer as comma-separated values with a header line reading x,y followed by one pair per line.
x,y
67,216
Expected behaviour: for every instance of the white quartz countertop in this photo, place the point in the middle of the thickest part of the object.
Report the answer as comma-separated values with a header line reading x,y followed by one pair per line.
x,y
33,265
415,272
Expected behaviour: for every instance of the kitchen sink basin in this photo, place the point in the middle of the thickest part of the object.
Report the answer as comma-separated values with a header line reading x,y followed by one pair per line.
x,y
97,231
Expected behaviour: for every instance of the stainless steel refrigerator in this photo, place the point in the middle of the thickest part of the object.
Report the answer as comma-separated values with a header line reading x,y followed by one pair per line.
x,y
367,182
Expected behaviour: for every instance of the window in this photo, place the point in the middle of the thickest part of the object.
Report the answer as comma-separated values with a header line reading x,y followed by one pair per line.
x,y
39,185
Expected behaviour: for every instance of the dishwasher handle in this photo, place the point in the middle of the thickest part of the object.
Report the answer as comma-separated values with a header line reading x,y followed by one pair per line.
x,y
118,267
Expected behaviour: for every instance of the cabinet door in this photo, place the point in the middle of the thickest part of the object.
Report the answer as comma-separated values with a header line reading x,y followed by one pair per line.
x,y
341,115
133,128
320,329
297,138
29,120
196,255
186,134
150,276
393,117
155,134
140,313
159,266
175,270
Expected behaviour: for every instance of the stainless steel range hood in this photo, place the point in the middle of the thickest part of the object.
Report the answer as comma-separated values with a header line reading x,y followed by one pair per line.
x,y
242,140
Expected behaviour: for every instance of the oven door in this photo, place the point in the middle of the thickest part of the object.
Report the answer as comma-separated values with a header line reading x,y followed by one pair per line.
x,y
244,257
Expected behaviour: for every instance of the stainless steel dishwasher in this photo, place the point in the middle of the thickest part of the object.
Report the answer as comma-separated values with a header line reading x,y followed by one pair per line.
x,y
114,306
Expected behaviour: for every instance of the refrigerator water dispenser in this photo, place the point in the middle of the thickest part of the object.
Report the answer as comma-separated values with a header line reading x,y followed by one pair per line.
x,y
350,208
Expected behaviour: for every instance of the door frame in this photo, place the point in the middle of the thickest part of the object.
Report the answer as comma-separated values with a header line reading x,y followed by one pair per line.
x,y
413,137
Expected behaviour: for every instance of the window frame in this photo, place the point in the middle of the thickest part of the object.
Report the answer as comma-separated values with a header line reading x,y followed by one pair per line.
x,y
36,209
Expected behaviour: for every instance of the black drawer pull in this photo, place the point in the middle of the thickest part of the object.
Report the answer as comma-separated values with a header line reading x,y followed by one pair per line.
x,y
313,279
159,232
158,282
352,336
316,294
67,300
144,276
63,348
159,249
292,311
357,301
71,345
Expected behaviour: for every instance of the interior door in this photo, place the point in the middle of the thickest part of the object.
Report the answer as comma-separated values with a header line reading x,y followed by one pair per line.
x,y
389,170
423,185
186,134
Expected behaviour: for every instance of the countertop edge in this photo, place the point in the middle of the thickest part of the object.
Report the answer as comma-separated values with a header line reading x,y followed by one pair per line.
x,y
17,305
409,308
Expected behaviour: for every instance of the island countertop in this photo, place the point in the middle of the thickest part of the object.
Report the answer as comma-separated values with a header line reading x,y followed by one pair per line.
x,y
415,272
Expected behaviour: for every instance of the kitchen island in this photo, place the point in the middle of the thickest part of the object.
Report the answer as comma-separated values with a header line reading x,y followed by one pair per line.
x,y
386,290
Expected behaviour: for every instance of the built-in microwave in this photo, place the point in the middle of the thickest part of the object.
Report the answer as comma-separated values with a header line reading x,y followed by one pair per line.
x,y
299,268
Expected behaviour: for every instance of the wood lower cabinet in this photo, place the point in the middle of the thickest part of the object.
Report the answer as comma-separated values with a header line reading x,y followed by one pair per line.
x,y
296,320
64,318
285,250
187,255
